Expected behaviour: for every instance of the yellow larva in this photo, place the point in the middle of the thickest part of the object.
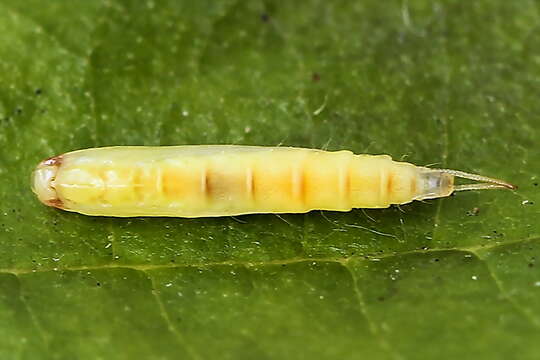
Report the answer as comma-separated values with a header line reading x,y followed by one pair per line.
x,y
222,180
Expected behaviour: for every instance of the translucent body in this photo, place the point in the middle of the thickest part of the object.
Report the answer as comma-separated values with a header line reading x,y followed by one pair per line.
x,y
221,180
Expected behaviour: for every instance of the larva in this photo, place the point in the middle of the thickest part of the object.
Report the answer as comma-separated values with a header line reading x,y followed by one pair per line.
x,y
223,180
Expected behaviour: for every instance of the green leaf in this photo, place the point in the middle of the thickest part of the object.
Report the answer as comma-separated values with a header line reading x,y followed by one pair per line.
x,y
450,82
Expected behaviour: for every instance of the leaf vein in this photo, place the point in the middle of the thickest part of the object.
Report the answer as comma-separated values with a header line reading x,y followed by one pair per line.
x,y
167,319
21,15
31,314
529,315
251,264
363,309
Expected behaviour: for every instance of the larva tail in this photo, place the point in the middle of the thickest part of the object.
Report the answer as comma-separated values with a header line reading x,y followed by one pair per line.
x,y
436,183
485,182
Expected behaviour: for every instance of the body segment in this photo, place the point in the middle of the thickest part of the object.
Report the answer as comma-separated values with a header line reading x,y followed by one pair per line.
x,y
222,180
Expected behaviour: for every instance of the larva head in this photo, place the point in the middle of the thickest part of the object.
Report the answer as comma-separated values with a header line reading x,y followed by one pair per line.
x,y
43,181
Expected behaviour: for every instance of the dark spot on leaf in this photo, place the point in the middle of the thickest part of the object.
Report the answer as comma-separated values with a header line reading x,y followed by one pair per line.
x,y
531,265
38,91
381,298
265,17
436,259
535,184
18,111
315,77
98,284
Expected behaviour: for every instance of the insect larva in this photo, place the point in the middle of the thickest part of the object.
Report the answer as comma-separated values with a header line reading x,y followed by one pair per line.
x,y
222,180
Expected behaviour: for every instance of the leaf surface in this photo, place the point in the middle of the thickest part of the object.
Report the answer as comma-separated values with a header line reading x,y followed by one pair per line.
x,y
450,82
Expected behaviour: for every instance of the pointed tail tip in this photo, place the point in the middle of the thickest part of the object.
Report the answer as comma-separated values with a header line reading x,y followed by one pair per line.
x,y
511,186
485,182
505,184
